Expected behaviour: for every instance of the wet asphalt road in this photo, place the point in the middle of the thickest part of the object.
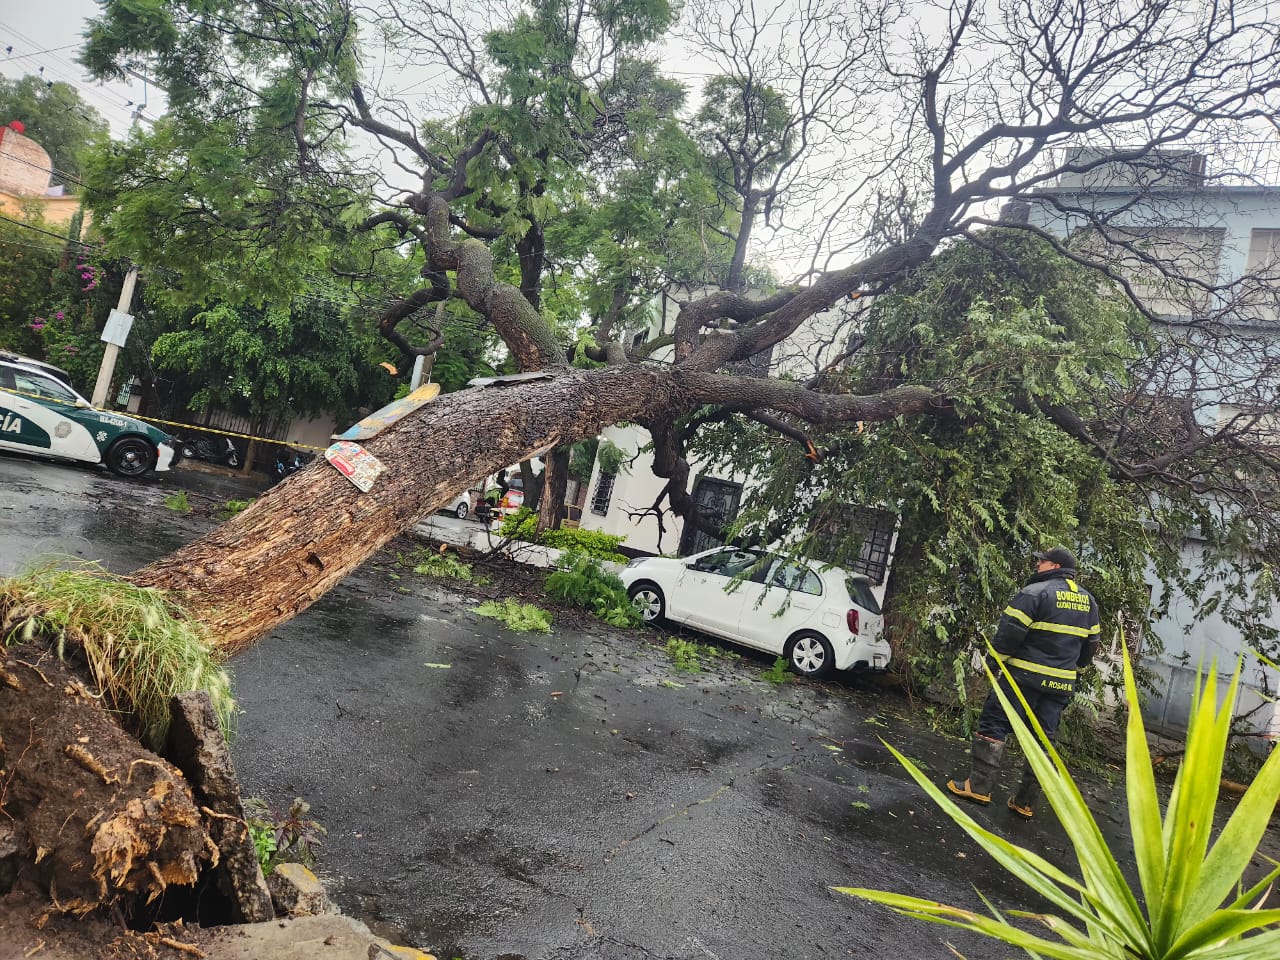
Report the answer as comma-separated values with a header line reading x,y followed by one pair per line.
x,y
567,796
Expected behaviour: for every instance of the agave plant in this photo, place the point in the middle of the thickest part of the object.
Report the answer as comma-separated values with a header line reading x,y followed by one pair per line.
x,y
1195,904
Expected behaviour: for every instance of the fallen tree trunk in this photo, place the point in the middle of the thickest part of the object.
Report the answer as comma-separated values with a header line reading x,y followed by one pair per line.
x,y
95,818
302,538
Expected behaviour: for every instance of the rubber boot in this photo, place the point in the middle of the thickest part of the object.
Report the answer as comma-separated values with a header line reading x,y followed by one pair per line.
x,y
1026,794
984,758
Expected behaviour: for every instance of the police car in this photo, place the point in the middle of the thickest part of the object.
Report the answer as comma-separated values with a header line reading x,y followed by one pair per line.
x,y
40,413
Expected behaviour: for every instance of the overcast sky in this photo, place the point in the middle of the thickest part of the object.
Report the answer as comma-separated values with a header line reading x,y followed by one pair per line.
x,y
48,35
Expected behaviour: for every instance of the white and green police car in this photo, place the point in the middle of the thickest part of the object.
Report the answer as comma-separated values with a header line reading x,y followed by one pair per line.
x,y
41,414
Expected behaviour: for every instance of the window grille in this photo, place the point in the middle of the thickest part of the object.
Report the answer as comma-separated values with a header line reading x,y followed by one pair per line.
x,y
604,493
877,530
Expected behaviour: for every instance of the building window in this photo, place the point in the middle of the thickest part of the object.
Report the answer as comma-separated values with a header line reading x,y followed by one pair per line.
x,y
1261,294
1171,269
877,536
1256,427
641,337
604,493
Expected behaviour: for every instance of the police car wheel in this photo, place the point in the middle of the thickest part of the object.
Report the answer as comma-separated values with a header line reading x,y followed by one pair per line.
x,y
810,655
131,457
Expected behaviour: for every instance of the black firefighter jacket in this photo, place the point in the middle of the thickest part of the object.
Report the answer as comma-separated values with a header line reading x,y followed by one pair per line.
x,y
1049,631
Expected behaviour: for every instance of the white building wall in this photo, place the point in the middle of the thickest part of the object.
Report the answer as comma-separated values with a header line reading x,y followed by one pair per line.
x,y
1192,643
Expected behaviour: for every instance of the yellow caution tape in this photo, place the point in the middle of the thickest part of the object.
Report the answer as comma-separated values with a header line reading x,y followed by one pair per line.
x,y
226,433
168,423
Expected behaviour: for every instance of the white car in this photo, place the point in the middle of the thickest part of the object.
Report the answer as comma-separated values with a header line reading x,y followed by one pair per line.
x,y
819,618
459,506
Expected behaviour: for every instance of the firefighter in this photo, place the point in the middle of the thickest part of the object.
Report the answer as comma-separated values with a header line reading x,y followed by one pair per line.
x,y
1049,631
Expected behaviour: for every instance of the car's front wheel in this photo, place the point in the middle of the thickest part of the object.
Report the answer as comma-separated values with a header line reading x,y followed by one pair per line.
x,y
810,655
461,511
648,600
131,457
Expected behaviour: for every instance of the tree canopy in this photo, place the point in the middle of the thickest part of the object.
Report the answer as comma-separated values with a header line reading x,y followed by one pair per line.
x,y
554,181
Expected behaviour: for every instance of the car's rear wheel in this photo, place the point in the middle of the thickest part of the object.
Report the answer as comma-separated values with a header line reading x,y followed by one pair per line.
x,y
649,601
461,510
810,655
131,457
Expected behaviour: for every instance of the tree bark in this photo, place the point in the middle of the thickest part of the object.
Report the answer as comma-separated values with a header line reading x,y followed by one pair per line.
x,y
305,535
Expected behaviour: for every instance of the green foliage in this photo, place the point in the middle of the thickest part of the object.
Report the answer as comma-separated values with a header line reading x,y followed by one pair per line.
x,y
523,525
582,458
442,564
1192,899
684,655
466,354
581,581
611,457
141,649
519,617
244,194
778,674
1011,329
291,837
178,502
28,260
275,363
232,507
263,835
57,118
55,298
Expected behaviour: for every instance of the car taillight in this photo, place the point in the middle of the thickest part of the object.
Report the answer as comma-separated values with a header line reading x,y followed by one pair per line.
x,y
852,618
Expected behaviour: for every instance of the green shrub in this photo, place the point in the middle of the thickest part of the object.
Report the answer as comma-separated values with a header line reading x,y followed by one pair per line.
x,y
520,617
778,673
581,581
432,563
232,507
523,524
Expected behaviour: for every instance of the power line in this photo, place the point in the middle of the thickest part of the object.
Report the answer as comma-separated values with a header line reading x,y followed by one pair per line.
x,y
65,68
53,170
56,236
37,53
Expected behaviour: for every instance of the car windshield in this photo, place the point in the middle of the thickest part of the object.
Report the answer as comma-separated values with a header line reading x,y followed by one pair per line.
x,y
860,593
44,387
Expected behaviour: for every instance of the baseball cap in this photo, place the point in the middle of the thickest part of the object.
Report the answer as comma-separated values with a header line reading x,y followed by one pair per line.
x,y
1059,555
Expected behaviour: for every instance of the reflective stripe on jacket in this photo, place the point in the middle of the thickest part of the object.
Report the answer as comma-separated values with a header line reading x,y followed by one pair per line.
x,y
1049,630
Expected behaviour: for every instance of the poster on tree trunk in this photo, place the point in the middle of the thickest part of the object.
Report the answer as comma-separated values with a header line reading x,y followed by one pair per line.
x,y
355,463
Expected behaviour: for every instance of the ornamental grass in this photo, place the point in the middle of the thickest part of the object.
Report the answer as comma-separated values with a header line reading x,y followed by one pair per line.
x,y
1191,902
139,646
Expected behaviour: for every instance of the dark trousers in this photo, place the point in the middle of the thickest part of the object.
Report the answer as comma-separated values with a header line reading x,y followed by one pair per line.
x,y
1047,705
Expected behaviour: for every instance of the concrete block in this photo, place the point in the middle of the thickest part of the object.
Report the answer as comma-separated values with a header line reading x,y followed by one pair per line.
x,y
296,891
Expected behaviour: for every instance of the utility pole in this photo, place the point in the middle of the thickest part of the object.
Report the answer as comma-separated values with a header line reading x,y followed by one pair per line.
x,y
422,365
421,371
117,330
